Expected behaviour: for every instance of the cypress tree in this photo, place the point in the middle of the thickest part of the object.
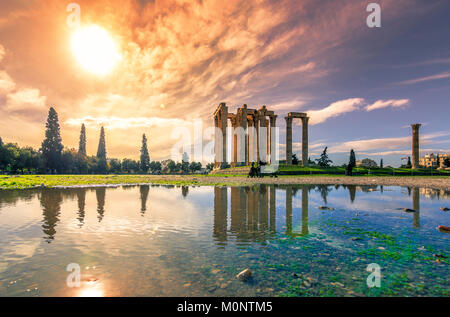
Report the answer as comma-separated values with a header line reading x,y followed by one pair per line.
x,y
351,163
101,150
101,153
381,163
52,145
82,144
145,157
352,160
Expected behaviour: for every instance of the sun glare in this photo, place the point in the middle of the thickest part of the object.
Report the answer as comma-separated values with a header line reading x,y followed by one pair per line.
x,y
95,49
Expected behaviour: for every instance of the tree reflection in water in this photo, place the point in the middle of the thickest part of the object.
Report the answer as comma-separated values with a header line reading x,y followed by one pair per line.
x,y
81,198
100,194
51,206
144,190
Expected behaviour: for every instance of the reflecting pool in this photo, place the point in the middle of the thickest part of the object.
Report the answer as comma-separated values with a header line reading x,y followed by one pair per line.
x,y
311,240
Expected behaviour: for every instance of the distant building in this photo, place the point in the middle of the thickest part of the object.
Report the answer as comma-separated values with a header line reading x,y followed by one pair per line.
x,y
366,163
431,160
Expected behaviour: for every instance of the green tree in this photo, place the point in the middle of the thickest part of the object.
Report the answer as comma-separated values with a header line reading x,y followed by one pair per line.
x,y
155,167
324,161
101,150
13,153
68,161
145,157
195,166
381,163
172,166
82,142
294,159
351,163
115,166
102,166
4,156
130,166
52,147
28,159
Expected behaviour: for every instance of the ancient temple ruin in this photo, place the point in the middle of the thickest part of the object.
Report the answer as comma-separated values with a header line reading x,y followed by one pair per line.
x,y
254,136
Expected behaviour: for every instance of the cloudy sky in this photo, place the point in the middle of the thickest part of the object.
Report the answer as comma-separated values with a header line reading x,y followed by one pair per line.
x,y
177,60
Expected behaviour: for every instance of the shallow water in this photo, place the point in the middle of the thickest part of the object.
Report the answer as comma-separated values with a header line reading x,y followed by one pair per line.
x,y
192,241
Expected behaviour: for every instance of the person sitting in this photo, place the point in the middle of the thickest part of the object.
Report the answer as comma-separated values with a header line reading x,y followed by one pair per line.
x,y
253,171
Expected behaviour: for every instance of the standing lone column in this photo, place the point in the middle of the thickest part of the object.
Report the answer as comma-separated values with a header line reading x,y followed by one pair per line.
x,y
305,141
288,140
415,145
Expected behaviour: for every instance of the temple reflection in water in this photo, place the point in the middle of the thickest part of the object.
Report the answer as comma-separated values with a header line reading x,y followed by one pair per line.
x,y
246,214
253,212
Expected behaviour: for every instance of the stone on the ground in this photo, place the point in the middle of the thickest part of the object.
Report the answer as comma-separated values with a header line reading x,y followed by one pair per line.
x,y
325,208
244,275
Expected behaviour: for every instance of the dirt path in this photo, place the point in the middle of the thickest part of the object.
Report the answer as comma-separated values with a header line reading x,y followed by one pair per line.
x,y
416,181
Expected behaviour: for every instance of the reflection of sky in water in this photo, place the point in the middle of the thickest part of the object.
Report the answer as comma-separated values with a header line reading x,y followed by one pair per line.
x,y
181,241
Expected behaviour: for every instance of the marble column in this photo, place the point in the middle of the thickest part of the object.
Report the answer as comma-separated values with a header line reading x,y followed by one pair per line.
x,y
273,140
288,140
305,141
217,143
256,124
415,145
251,153
262,140
224,133
235,143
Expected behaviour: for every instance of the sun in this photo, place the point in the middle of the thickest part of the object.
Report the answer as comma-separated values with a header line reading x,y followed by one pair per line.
x,y
95,49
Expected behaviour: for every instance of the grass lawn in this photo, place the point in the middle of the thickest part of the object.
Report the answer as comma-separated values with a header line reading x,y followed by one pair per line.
x,y
29,181
34,181
337,170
